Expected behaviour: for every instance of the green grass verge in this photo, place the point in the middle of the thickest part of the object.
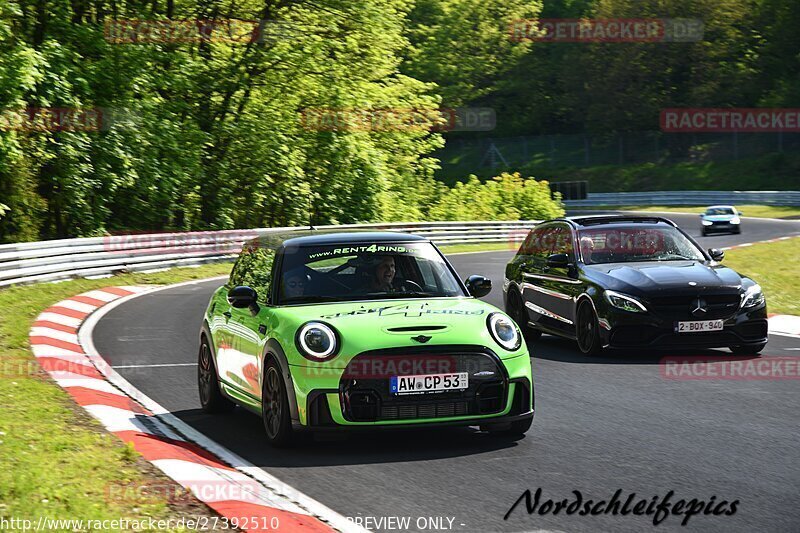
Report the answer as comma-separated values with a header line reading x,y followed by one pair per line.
x,y
774,266
757,211
481,247
771,172
57,461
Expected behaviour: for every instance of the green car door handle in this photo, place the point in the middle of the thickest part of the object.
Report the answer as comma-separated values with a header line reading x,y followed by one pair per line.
x,y
227,314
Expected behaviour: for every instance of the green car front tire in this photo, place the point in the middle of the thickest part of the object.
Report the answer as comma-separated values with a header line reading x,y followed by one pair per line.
x,y
275,407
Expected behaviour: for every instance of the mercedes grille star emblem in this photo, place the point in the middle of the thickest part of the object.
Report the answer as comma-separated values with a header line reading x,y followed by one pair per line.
x,y
699,308
421,338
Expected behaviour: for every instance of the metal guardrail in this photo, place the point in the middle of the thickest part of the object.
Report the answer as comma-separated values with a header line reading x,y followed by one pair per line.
x,y
688,198
32,262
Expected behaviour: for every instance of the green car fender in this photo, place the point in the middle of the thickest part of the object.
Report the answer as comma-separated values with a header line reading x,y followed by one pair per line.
x,y
273,349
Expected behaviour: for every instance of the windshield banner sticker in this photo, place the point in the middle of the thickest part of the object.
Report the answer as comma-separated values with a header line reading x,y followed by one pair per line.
x,y
407,311
371,249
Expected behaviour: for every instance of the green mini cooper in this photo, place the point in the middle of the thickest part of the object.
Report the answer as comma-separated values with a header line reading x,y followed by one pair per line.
x,y
360,330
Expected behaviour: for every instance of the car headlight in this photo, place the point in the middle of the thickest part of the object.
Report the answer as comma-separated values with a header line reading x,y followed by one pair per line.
x,y
753,296
317,341
624,302
707,223
736,220
504,331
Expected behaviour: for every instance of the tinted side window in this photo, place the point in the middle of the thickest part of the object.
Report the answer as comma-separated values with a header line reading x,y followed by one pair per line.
x,y
254,269
563,242
540,241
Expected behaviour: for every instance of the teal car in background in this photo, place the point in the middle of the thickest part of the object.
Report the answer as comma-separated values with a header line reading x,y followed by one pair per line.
x,y
721,218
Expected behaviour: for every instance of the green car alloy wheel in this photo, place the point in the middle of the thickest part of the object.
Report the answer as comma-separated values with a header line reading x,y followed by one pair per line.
x,y
360,331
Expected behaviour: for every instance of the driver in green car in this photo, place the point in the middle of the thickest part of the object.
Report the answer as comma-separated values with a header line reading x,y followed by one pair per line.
x,y
382,276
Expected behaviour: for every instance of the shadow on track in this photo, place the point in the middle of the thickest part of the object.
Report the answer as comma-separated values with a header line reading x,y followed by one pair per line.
x,y
243,432
565,351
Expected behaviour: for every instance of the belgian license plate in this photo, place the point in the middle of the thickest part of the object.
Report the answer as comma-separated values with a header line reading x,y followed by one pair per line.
x,y
428,383
696,326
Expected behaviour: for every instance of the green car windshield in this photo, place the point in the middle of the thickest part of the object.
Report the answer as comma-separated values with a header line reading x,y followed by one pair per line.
x,y
364,271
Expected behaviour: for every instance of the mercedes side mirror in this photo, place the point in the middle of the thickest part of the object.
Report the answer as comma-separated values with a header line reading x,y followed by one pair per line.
x,y
716,254
242,297
558,260
478,286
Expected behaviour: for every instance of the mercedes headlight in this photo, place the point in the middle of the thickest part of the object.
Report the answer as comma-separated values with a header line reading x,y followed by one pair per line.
x,y
736,220
707,223
753,296
624,302
504,331
317,341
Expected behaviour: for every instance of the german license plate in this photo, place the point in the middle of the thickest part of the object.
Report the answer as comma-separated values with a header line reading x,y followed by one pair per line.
x,y
696,326
428,383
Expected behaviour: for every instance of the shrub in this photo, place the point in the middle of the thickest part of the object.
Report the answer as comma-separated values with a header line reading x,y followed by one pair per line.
x,y
504,197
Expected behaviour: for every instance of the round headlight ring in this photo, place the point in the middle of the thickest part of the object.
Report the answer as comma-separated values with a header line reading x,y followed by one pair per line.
x,y
307,349
504,331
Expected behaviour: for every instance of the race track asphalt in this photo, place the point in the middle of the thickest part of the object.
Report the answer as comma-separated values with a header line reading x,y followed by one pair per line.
x,y
602,424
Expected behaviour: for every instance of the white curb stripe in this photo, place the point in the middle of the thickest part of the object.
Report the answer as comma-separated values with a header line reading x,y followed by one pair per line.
x,y
89,383
101,295
45,350
210,484
73,360
153,366
785,324
139,288
77,306
43,331
115,419
58,318
65,375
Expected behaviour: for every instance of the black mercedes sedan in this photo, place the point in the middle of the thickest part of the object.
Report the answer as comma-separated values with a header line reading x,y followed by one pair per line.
x,y
631,282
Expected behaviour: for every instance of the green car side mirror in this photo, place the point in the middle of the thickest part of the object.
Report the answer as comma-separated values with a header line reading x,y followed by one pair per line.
x,y
242,297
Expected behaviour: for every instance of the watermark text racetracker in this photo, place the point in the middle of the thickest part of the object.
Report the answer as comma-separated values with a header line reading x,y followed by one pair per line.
x,y
199,523
53,119
223,30
745,120
35,120
658,508
615,30
210,242
397,119
695,368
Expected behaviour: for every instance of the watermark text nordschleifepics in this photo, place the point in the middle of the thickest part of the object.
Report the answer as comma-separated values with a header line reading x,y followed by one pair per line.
x,y
657,507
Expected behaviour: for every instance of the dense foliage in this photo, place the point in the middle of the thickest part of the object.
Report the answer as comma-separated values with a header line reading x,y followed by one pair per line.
x,y
749,56
208,133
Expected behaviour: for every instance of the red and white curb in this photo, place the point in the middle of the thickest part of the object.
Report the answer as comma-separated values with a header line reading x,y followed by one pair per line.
x,y
236,489
746,244
784,325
